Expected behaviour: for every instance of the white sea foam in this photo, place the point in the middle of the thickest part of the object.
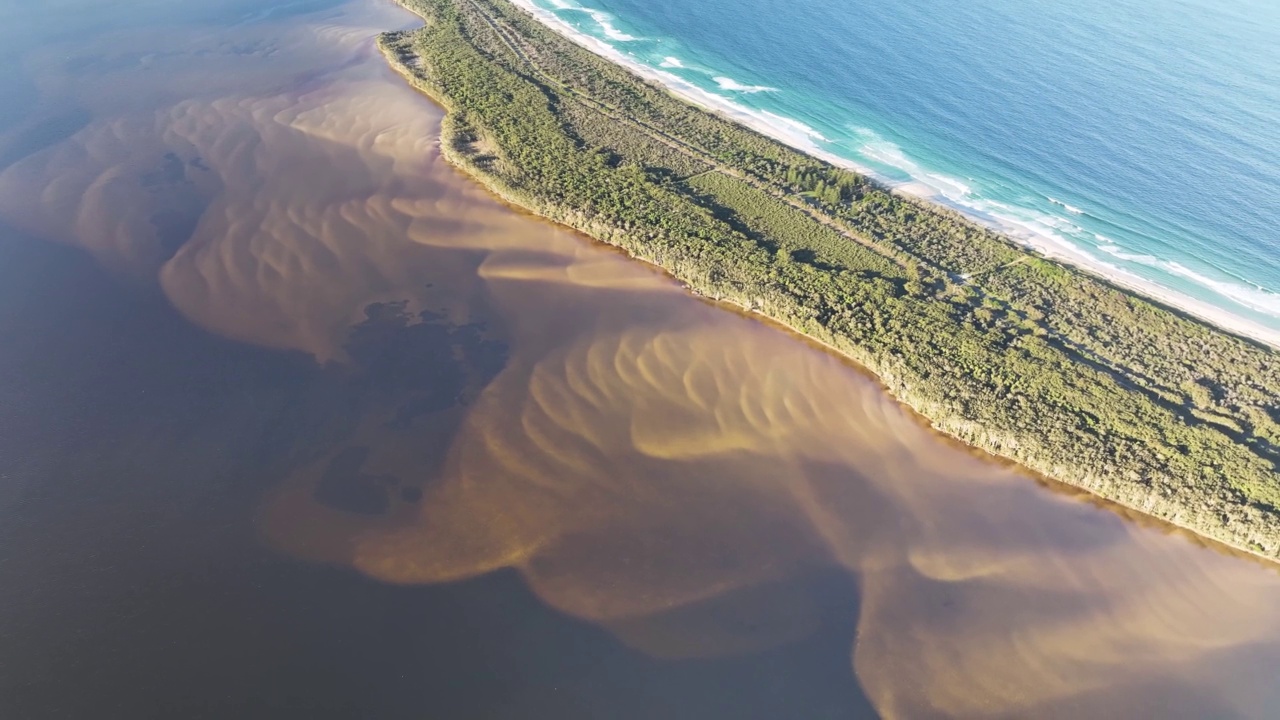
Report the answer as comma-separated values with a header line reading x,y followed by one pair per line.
x,y
793,124
888,153
1037,231
1116,251
1069,208
1248,295
671,62
605,21
732,85
786,130
600,17
1054,235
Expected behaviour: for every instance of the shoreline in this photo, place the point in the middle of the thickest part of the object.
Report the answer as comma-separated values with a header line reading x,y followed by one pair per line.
x,y
1177,501
801,138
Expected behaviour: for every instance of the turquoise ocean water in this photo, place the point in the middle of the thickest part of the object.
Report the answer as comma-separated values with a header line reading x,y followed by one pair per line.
x,y
1141,137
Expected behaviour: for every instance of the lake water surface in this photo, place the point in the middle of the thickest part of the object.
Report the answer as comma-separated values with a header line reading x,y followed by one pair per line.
x,y
297,422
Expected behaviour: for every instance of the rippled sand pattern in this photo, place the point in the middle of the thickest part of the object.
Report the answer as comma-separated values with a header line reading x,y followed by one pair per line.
x,y
676,473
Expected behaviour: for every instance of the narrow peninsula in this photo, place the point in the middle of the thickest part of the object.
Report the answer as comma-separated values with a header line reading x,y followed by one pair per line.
x,y
1021,356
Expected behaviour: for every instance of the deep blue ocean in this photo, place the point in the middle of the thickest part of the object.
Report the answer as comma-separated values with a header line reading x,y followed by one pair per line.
x,y
1140,136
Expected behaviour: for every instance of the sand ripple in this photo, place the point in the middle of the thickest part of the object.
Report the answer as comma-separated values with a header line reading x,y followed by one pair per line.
x,y
686,478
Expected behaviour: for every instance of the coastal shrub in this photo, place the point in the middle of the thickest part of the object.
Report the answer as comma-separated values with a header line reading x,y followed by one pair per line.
x,y
1059,370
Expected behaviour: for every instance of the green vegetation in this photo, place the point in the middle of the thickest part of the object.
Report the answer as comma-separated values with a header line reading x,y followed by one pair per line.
x,y
1023,357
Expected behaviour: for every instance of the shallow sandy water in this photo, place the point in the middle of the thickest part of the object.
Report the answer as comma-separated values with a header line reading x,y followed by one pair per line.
x,y
700,486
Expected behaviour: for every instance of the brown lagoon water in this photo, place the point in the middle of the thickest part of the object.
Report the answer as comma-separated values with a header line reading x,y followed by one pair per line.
x,y
296,422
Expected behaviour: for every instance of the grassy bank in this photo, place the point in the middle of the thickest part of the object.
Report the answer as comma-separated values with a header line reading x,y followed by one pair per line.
x,y
1013,353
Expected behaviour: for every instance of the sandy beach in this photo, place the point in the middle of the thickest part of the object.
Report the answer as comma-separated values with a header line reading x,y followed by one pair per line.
x,y
806,139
